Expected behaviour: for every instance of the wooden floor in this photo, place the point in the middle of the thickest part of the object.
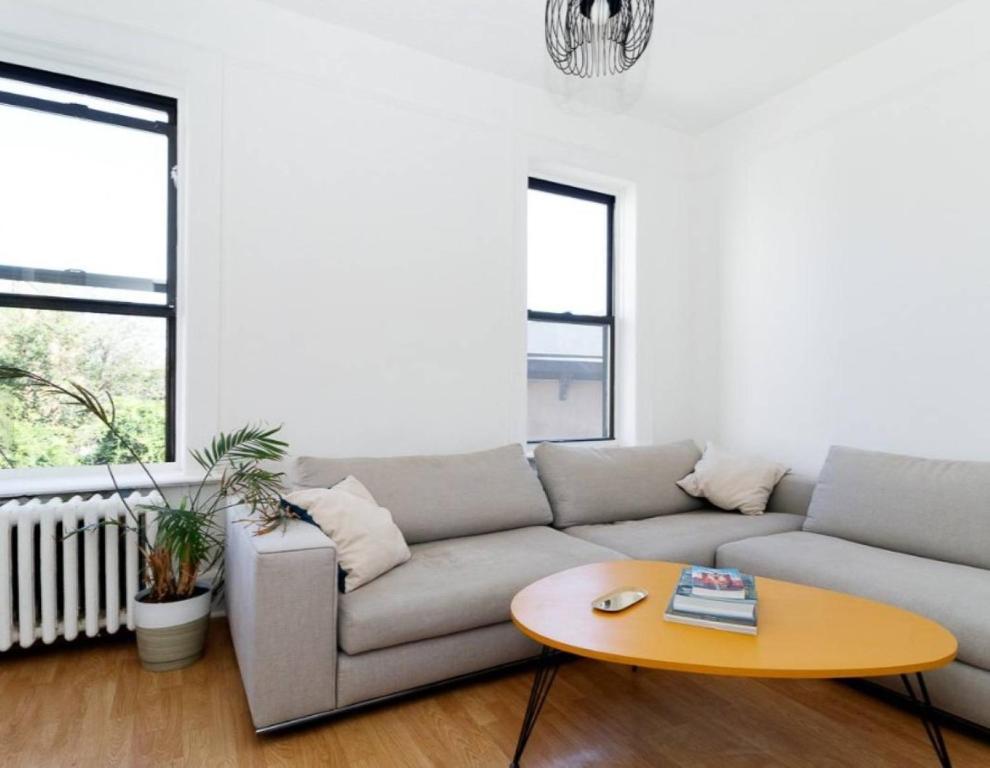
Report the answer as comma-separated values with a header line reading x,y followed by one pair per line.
x,y
92,705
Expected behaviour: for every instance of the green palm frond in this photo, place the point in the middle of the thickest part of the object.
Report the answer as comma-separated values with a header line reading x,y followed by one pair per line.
x,y
189,534
249,443
73,394
239,454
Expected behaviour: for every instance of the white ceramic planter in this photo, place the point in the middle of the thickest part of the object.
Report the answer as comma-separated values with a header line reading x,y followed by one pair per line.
x,y
171,635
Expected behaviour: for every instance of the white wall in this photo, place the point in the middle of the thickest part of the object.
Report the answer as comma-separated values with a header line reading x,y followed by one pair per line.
x,y
842,246
354,225
353,246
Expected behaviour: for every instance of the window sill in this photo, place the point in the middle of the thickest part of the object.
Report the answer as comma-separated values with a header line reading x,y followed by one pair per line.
x,y
70,481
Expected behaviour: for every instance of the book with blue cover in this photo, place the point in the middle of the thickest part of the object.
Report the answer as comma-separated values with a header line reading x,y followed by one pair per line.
x,y
725,583
731,614
686,600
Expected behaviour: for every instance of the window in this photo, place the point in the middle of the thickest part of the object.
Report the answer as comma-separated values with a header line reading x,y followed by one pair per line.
x,y
87,264
570,354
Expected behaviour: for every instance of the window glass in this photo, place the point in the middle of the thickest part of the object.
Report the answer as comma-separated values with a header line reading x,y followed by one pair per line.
x,y
571,326
84,207
87,267
104,353
568,375
567,254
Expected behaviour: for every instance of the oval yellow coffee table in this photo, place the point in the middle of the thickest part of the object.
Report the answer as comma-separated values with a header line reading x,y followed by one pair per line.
x,y
804,632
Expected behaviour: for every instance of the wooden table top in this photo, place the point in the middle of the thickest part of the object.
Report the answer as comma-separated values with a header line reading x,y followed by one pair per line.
x,y
804,632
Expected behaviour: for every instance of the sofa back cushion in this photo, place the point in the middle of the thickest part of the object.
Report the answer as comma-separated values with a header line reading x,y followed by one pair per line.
x,y
925,507
589,485
793,494
441,497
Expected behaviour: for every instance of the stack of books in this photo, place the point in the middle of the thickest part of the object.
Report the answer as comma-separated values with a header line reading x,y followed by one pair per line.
x,y
719,598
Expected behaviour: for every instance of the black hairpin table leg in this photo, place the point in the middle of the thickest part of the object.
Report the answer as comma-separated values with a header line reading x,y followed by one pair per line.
x,y
546,671
923,703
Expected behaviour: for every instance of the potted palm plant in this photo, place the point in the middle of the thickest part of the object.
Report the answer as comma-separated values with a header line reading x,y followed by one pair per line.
x,y
171,613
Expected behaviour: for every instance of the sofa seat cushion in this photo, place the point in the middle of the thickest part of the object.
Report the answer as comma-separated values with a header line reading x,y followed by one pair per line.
x,y
456,584
690,537
956,596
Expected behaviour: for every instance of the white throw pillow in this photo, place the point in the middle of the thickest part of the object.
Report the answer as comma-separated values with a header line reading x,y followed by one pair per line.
x,y
730,481
368,542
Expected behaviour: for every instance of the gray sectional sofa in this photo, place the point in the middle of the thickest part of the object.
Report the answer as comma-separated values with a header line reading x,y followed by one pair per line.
x,y
478,527
906,531
482,526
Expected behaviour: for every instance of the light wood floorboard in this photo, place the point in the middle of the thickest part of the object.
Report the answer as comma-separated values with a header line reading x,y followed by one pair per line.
x,y
91,704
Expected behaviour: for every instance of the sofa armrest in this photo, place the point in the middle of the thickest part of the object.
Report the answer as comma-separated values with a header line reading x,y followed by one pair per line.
x,y
282,610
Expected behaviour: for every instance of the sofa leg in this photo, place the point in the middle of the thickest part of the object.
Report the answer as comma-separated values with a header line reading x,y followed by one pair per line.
x,y
923,705
546,671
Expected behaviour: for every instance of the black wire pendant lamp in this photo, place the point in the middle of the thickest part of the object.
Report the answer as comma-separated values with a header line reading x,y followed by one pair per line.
x,y
592,38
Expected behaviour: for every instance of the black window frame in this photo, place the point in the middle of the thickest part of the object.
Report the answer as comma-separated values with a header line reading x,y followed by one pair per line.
x,y
606,321
169,129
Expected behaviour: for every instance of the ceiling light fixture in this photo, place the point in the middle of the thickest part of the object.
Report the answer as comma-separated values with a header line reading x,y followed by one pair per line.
x,y
592,38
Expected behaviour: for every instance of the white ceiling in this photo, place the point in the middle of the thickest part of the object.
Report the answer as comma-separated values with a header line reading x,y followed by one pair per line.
x,y
708,61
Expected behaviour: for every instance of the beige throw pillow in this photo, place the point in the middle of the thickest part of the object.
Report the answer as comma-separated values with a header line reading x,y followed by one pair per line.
x,y
730,481
368,542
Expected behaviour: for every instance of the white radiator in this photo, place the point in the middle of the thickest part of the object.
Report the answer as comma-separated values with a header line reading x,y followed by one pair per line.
x,y
52,586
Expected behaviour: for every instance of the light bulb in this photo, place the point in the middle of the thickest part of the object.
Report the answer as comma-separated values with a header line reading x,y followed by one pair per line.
x,y
600,13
